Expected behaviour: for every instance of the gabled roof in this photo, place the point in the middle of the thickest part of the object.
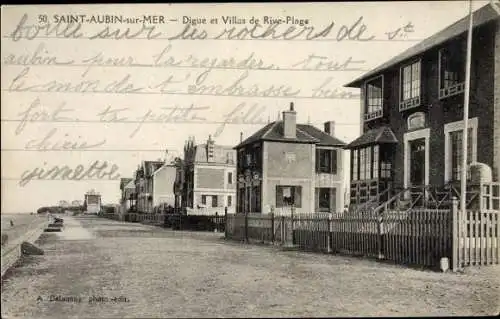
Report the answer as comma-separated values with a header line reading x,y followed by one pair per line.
x,y
305,133
124,182
481,16
380,135
130,185
151,166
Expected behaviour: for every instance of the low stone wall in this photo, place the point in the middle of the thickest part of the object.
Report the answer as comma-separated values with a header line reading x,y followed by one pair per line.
x,y
11,250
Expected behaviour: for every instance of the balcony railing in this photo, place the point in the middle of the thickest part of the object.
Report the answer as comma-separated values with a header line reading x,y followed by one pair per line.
x,y
451,90
373,115
409,103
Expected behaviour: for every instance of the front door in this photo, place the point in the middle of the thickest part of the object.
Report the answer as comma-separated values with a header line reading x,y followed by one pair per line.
x,y
417,162
417,170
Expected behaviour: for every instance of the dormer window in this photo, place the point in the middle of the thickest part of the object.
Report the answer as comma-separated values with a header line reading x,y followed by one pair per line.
x,y
374,98
452,69
410,86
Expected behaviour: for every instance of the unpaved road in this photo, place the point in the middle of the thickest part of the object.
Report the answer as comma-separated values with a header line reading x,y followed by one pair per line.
x,y
157,273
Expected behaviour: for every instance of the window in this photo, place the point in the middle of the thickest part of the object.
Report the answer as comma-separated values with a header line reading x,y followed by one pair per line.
x,y
375,161
410,86
229,177
241,159
326,161
368,162
288,196
204,199
371,162
374,98
214,201
456,138
452,69
229,158
249,159
362,156
229,201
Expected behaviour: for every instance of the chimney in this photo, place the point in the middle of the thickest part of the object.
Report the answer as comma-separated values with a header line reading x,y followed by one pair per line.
x,y
241,137
210,148
290,123
330,128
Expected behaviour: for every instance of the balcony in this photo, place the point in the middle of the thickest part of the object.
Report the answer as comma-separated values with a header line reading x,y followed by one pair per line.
x,y
451,90
373,115
409,103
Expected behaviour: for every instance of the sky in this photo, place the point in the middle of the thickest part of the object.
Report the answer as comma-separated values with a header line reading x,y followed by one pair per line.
x,y
81,91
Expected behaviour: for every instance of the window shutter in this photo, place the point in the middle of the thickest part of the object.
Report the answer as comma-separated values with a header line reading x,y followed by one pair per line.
x,y
297,196
318,159
334,162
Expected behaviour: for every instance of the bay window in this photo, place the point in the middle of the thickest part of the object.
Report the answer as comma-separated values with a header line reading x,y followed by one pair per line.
x,y
371,162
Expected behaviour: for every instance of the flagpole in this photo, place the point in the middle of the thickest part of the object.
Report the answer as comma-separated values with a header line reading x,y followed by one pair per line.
x,y
466,114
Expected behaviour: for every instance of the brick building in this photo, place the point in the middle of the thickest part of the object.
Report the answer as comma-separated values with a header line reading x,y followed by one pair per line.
x,y
209,177
286,164
412,115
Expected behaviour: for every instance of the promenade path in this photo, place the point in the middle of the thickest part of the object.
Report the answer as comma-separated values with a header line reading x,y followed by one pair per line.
x,y
138,271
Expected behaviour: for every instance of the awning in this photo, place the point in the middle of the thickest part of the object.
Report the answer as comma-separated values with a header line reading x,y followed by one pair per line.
x,y
381,135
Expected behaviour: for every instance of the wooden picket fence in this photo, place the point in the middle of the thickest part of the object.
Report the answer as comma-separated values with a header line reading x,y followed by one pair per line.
x,y
478,240
413,237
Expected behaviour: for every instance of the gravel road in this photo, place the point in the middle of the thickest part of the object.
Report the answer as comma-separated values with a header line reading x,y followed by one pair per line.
x,y
98,268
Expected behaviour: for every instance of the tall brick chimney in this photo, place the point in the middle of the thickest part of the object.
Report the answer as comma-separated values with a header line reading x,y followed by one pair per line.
x,y
330,128
210,148
290,123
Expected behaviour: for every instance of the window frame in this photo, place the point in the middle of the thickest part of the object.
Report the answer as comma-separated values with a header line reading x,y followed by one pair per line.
x,y
473,124
376,113
294,190
412,101
332,167
457,88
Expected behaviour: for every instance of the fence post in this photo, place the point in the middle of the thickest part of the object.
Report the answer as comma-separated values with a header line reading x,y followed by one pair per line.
x,y
292,213
225,222
455,246
379,235
329,238
272,224
246,227
283,233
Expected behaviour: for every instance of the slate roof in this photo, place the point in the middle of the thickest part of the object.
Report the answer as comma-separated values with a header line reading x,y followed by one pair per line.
x,y
380,135
220,153
481,16
304,134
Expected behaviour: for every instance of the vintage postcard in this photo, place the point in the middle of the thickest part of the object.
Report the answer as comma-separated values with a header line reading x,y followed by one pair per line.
x,y
250,159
